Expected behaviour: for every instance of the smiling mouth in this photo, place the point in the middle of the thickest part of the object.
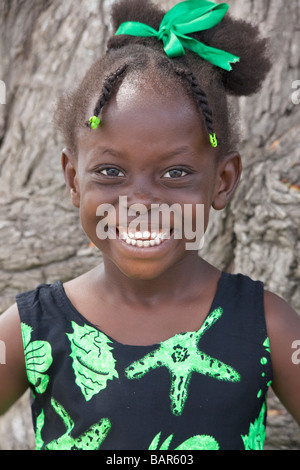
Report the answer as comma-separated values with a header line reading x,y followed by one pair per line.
x,y
144,239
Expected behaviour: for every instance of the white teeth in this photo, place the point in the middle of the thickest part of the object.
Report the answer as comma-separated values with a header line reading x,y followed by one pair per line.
x,y
165,235
144,239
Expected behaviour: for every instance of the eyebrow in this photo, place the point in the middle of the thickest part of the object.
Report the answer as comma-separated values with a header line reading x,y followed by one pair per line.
x,y
105,150
173,153
178,151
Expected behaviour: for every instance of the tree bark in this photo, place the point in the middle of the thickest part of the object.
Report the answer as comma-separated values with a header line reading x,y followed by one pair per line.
x,y
46,47
261,225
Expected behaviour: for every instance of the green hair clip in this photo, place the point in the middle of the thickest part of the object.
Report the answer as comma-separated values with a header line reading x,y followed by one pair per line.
x,y
94,122
213,140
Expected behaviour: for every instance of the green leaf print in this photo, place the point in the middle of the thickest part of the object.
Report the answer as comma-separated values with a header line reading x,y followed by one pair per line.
x,y
38,359
89,440
181,356
266,345
40,421
257,433
193,443
93,362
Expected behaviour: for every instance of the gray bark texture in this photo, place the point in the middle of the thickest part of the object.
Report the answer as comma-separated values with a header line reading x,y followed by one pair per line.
x,y
46,47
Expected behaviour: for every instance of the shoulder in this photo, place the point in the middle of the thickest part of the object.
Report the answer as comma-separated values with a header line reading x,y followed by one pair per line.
x,y
280,316
283,326
13,377
10,322
11,333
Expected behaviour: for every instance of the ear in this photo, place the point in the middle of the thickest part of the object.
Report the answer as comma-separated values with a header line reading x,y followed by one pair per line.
x,y
228,176
69,167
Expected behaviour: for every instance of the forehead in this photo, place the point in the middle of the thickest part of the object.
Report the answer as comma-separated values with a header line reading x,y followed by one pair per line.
x,y
146,109
153,84
144,104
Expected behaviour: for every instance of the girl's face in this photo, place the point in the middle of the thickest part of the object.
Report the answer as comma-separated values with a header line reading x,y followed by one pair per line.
x,y
149,150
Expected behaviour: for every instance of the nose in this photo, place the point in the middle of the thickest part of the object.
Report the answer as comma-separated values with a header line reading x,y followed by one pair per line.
x,y
138,200
142,191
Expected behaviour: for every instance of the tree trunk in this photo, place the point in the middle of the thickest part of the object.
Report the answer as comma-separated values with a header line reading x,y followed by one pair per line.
x,y
46,47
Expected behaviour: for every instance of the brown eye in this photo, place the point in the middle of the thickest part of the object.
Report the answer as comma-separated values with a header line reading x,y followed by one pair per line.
x,y
111,172
175,173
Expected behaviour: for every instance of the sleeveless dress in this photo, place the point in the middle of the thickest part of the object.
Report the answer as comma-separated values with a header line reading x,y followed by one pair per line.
x,y
199,390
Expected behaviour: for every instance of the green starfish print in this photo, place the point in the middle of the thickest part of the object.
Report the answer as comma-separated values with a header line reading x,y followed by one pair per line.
x,y
180,354
90,440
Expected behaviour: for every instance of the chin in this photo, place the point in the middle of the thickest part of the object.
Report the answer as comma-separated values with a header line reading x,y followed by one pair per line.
x,y
143,273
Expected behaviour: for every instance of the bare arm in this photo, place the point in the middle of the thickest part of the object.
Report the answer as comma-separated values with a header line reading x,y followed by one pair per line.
x,y
13,379
283,325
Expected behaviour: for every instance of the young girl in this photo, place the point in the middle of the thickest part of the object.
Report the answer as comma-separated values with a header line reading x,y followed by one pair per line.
x,y
154,348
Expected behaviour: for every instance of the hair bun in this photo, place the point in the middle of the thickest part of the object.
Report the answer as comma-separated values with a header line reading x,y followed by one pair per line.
x,y
143,11
244,40
136,10
235,36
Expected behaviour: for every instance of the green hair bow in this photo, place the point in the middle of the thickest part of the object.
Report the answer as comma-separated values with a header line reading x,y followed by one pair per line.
x,y
184,18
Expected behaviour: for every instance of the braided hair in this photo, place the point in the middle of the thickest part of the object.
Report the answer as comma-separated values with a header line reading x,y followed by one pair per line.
x,y
200,97
107,88
207,85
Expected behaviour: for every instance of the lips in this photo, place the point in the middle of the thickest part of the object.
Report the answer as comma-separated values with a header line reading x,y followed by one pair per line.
x,y
144,239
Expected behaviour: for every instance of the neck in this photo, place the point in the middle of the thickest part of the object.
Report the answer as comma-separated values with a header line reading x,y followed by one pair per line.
x,y
182,281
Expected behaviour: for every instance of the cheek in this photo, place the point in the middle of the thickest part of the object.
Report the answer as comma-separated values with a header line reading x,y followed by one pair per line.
x,y
96,215
196,212
194,221
88,214
198,202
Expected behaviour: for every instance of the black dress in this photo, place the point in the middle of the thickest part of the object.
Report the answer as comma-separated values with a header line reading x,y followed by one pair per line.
x,y
197,390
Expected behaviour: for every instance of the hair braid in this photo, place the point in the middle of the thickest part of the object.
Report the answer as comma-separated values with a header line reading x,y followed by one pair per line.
x,y
200,97
107,88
